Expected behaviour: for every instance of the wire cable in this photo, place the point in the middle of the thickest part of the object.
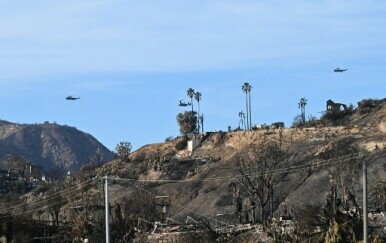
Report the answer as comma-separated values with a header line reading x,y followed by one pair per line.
x,y
43,200
175,204
312,165
36,209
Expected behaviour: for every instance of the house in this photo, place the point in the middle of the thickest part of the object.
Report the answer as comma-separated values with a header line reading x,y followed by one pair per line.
x,y
332,107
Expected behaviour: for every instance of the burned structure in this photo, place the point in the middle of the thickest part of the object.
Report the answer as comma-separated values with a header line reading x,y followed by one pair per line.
x,y
332,107
335,112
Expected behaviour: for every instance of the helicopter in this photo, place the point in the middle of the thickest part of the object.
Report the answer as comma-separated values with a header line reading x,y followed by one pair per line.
x,y
72,98
338,70
183,103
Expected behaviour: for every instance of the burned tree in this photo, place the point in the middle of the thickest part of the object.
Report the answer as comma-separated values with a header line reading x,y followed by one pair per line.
x,y
96,159
347,171
237,200
378,194
259,175
54,201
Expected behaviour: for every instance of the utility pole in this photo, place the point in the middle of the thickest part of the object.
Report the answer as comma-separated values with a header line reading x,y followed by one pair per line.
x,y
365,217
164,202
107,208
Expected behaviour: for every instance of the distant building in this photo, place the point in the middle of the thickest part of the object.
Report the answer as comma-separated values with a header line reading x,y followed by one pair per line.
x,y
332,107
194,142
276,125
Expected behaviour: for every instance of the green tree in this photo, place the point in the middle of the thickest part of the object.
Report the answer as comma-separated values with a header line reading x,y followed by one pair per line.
x,y
187,122
122,151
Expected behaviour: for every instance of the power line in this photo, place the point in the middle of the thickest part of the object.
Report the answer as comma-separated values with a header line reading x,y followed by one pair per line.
x,y
315,165
51,196
312,165
175,204
44,200
36,209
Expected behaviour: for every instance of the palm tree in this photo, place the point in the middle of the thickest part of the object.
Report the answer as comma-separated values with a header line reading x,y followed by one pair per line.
x,y
197,97
302,105
250,112
190,93
247,90
242,120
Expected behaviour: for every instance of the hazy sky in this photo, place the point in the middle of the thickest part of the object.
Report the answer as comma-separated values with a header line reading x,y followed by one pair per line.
x,y
132,61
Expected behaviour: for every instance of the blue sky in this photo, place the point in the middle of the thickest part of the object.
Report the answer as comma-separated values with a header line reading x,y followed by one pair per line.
x,y
132,61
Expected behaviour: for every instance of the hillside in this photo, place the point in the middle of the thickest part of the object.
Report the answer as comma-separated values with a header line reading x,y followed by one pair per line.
x,y
198,183
303,170
217,155
49,146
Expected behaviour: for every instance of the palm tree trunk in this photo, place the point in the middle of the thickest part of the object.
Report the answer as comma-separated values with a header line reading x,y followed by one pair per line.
x,y
202,123
198,117
191,100
246,104
250,112
244,124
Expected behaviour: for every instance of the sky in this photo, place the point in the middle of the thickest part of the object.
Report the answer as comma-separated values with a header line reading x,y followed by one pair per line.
x,y
130,62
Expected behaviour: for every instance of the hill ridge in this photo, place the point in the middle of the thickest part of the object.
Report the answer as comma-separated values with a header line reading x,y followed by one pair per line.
x,y
50,145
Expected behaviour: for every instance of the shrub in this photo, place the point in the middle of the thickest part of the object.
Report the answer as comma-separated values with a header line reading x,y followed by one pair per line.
x,y
297,121
313,122
336,117
367,104
180,145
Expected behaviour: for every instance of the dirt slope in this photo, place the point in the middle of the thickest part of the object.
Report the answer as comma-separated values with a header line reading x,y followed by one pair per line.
x,y
204,175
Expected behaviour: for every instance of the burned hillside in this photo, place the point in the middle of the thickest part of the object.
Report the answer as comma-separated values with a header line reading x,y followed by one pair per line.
x,y
305,179
198,172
